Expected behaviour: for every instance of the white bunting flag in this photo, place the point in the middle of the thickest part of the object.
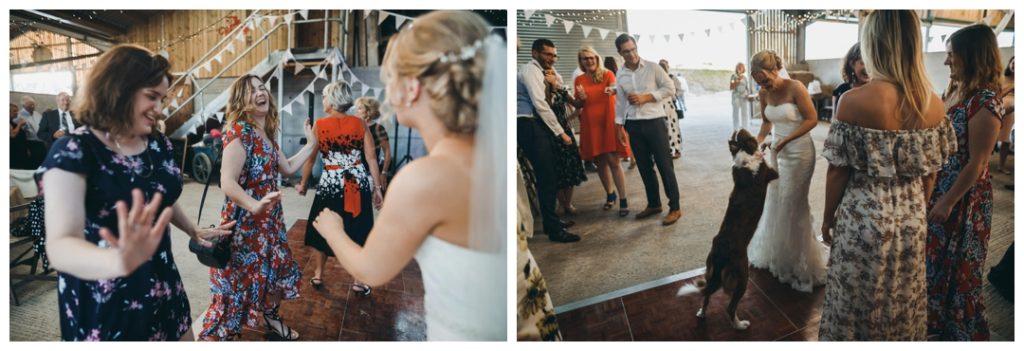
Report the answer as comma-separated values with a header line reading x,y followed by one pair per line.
x,y
166,111
322,75
604,33
311,87
174,104
219,58
366,14
681,35
300,99
220,116
667,38
568,25
528,14
316,70
381,17
652,38
708,32
206,66
230,47
549,19
240,36
399,20
180,92
299,67
273,20
586,30
365,89
289,18
304,14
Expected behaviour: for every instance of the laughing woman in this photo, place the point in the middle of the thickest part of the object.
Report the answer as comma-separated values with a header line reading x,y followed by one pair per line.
x,y
120,283
261,271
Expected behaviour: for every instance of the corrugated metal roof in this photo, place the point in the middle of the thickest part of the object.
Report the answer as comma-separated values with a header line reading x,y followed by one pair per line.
x,y
568,44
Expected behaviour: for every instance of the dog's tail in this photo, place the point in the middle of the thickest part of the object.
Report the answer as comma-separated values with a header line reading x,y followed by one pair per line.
x,y
692,288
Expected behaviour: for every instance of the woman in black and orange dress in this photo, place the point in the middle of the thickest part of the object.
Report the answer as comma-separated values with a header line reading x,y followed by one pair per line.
x,y
348,181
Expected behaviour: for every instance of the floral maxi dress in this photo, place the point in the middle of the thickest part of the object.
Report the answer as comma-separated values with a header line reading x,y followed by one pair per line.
x,y
956,249
150,303
875,288
261,262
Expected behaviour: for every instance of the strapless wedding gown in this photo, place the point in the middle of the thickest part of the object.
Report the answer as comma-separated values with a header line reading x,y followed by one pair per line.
x,y
464,292
784,242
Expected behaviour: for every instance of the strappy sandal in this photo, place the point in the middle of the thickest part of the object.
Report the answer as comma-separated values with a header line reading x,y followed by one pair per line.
x,y
610,201
623,208
317,283
362,289
282,331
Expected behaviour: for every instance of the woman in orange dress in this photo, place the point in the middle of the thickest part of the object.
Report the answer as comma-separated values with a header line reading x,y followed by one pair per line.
x,y
598,141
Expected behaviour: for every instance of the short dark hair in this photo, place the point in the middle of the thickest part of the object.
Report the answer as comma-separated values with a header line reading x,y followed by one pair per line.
x,y
539,44
1009,67
622,39
611,65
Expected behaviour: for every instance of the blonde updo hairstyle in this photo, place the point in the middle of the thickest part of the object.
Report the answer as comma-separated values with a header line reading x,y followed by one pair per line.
x,y
765,61
453,86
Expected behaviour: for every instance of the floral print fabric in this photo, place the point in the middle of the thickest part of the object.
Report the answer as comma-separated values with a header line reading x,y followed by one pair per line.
x,y
261,262
875,289
150,303
956,249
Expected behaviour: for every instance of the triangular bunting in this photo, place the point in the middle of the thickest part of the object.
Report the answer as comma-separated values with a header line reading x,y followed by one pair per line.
x,y
166,111
299,67
206,66
366,14
219,58
719,29
289,18
568,25
586,30
636,37
220,116
300,99
528,13
549,19
667,38
240,36
174,104
316,70
652,38
681,35
365,89
273,20
180,92
399,20
322,75
708,32
230,47
381,16
604,33
304,14
732,26
311,87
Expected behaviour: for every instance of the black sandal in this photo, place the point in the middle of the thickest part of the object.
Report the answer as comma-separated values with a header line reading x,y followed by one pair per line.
x,y
610,201
362,289
623,208
283,332
317,283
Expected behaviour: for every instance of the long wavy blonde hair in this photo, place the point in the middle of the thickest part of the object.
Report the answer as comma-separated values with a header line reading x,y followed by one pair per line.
x,y
599,73
240,107
453,86
890,46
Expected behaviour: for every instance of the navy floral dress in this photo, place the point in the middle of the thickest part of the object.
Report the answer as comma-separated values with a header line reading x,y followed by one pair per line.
x,y
150,303
956,249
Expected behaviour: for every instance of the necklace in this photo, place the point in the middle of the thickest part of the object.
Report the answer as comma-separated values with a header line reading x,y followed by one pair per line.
x,y
145,172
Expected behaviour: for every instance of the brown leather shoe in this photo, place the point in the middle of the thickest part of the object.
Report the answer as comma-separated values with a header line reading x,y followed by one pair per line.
x,y
647,212
672,217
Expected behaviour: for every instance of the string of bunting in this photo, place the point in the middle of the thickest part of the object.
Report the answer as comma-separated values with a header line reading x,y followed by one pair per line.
x,y
568,25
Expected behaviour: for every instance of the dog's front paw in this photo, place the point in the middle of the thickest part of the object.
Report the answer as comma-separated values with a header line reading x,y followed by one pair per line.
x,y
700,313
740,325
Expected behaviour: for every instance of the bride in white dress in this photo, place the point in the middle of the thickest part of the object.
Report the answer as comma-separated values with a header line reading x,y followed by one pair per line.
x,y
446,209
784,242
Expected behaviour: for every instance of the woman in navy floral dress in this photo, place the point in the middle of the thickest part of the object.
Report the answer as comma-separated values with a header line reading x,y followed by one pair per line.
x,y
960,210
261,271
117,278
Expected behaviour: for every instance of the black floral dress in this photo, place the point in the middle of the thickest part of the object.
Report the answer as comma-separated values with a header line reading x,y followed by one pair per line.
x,y
568,164
149,303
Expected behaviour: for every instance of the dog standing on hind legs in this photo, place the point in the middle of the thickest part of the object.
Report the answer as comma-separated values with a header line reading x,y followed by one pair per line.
x,y
727,264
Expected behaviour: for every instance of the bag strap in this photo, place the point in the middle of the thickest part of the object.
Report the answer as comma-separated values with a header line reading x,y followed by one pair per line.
x,y
203,200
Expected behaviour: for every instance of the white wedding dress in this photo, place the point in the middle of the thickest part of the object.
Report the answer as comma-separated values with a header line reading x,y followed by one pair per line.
x,y
784,242
464,292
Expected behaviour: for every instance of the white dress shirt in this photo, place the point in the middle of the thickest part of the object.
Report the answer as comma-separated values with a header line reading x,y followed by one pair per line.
x,y
532,76
649,78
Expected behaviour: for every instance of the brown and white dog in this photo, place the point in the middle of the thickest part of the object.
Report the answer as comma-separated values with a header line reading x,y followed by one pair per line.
x,y
727,264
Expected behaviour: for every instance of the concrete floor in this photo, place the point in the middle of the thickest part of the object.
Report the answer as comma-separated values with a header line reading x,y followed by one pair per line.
x,y
37,318
616,253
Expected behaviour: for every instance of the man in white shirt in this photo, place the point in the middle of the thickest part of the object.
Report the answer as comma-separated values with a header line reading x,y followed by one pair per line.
x,y
57,123
535,124
643,88
31,117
